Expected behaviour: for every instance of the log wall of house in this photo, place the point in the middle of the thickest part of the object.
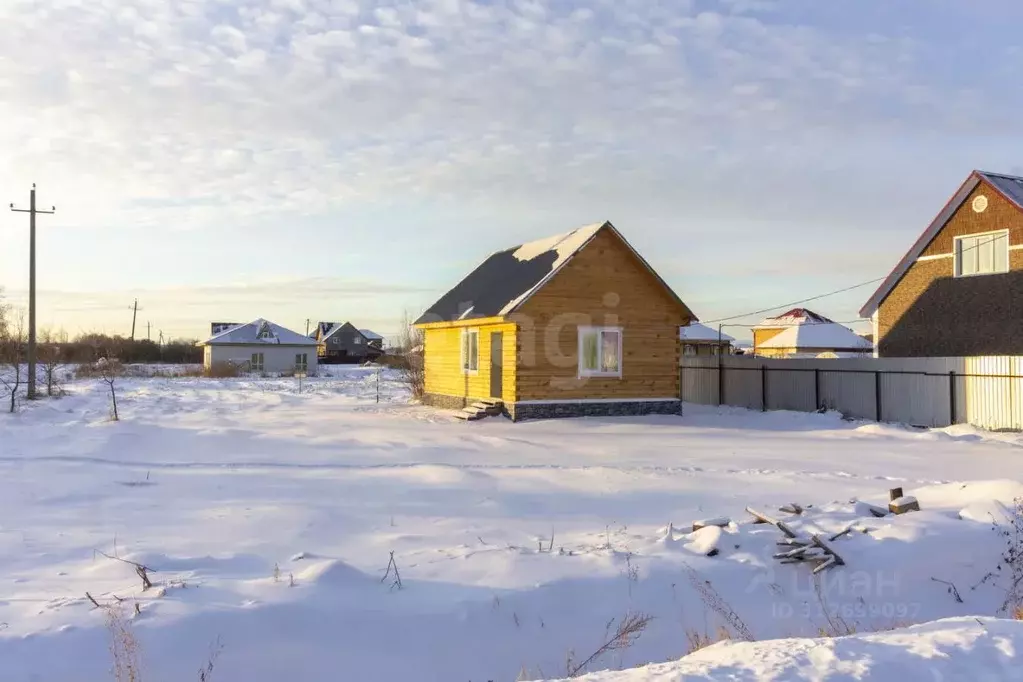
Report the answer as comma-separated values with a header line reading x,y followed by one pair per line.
x,y
602,285
442,357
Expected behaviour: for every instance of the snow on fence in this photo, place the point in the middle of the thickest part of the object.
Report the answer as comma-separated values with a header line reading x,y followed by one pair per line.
x,y
984,391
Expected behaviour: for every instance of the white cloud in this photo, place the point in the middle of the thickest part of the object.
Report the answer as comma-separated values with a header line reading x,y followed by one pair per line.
x,y
199,113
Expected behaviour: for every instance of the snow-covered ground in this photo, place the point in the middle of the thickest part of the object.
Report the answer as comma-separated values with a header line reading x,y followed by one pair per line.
x,y
269,516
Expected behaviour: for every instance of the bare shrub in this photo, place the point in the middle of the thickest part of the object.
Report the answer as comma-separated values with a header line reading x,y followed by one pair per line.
x,y
716,603
409,358
12,355
110,371
629,629
696,640
125,652
222,370
1012,558
836,625
51,366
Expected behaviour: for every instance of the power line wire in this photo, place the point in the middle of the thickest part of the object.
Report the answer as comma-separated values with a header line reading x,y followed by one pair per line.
x,y
960,252
804,300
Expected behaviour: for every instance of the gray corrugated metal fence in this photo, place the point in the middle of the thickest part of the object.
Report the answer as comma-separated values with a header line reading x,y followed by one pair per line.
x,y
984,391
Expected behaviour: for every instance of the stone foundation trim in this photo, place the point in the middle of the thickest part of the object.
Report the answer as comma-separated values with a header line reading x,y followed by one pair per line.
x,y
595,401
593,408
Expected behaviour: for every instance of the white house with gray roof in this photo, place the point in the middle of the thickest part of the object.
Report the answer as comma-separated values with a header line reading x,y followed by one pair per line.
x,y
260,346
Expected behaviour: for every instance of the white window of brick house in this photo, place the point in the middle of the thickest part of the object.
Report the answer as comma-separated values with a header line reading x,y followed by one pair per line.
x,y
981,254
600,351
470,351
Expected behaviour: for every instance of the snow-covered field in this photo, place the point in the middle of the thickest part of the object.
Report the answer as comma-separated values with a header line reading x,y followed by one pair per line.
x,y
268,517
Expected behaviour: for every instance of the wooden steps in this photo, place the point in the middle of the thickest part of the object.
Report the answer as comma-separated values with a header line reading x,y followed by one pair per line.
x,y
486,407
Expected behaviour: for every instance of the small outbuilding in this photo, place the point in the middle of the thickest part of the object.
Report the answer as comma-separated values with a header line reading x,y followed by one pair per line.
x,y
699,339
260,346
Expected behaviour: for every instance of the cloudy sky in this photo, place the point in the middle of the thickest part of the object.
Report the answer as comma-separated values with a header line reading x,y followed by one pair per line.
x,y
352,159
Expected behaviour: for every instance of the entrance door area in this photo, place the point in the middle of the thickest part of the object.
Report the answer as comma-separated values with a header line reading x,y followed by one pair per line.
x,y
496,353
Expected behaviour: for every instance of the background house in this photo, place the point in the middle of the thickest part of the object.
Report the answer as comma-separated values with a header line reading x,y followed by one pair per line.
x,y
344,343
699,339
802,332
260,346
374,339
577,324
959,288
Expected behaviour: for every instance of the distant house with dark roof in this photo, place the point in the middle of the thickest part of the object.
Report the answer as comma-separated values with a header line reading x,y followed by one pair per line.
x,y
959,288
342,342
802,332
577,324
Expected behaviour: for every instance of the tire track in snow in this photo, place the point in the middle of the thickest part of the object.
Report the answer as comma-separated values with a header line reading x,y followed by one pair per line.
x,y
259,467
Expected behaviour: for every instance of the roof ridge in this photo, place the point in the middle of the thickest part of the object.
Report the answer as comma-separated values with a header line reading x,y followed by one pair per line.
x,y
1001,175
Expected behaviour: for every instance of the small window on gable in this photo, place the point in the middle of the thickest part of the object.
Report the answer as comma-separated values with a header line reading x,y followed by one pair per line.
x,y
470,351
600,351
358,340
982,254
264,331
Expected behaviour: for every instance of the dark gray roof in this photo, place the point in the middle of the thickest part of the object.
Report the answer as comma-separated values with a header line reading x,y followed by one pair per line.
x,y
1010,186
507,278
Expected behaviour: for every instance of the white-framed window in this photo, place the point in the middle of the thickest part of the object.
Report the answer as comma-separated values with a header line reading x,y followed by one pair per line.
x,y
600,351
256,362
470,351
301,362
689,349
358,340
981,254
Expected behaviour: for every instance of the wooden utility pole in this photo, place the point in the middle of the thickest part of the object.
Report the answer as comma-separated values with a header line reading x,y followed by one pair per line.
x,y
149,336
134,313
32,212
307,326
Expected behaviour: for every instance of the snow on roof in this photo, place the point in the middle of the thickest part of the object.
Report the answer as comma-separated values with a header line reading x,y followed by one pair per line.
x,y
260,332
507,278
830,335
701,332
794,317
371,335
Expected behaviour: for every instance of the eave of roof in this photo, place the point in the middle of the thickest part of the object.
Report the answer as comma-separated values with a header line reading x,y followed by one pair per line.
x,y
895,276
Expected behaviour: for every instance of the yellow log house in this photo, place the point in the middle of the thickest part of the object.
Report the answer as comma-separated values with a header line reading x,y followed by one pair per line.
x,y
574,325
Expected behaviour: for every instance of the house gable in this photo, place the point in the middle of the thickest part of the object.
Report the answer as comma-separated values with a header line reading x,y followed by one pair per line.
x,y
928,311
1004,195
606,283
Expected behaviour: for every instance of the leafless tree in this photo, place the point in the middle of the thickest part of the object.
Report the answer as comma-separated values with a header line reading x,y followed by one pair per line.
x,y
51,364
411,371
12,351
110,371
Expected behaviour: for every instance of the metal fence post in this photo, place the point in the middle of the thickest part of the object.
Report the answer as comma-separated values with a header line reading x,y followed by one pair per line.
x,y
816,388
877,396
763,388
721,383
952,398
